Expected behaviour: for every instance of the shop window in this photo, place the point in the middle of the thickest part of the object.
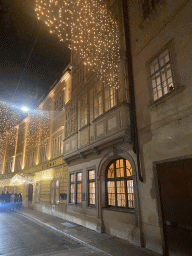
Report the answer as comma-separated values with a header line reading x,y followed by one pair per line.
x,y
75,188
161,75
55,191
91,187
119,183
37,192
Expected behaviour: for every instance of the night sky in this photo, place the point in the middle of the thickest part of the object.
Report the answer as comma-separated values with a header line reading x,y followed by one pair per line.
x,y
23,36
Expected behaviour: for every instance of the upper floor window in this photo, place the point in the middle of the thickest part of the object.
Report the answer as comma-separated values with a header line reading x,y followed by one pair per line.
x,y
110,97
98,100
119,184
84,114
148,6
58,102
43,154
70,120
8,166
161,75
57,146
30,159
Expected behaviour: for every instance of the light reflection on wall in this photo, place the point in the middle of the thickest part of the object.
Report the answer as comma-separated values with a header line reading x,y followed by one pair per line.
x,y
44,175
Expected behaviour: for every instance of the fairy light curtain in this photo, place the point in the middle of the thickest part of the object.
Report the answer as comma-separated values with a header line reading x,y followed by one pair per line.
x,y
87,27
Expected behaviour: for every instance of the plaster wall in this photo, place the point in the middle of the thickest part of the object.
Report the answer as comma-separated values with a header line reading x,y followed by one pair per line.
x,y
164,127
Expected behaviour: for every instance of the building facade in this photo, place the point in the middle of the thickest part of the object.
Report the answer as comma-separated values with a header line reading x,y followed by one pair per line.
x,y
32,163
161,52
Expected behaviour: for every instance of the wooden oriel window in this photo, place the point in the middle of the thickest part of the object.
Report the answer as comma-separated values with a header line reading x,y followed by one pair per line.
x,y
91,187
119,184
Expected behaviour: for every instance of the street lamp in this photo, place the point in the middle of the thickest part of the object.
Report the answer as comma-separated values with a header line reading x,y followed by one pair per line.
x,y
25,109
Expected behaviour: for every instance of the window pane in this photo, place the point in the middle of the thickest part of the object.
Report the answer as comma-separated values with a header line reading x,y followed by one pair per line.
x,y
128,169
92,193
72,177
111,171
92,175
78,193
121,193
111,193
130,193
72,194
79,176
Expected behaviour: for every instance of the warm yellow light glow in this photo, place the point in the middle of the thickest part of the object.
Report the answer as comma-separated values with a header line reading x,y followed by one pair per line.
x,y
87,27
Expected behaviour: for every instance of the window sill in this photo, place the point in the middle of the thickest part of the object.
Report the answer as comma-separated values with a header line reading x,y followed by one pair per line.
x,y
118,209
166,97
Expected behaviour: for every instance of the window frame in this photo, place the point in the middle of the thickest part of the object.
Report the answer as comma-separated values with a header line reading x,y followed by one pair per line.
x,y
53,190
115,179
88,190
111,99
97,93
75,182
172,62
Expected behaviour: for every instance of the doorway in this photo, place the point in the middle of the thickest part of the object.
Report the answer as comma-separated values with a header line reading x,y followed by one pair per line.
x,y
175,187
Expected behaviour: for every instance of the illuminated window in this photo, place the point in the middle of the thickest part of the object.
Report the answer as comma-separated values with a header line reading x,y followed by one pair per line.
x,y
43,154
98,100
75,188
84,114
55,192
161,75
91,187
119,183
37,192
110,97
70,119
57,146
8,166
30,159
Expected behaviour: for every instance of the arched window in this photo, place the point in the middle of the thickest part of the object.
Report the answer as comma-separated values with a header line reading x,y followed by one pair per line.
x,y
119,184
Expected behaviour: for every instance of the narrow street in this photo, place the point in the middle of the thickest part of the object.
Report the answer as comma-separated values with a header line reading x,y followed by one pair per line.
x,y
22,236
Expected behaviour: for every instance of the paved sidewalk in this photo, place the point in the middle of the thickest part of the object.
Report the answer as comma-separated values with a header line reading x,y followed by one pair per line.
x,y
102,242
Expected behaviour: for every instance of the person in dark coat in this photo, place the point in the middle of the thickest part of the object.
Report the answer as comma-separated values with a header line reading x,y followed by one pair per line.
x,y
19,201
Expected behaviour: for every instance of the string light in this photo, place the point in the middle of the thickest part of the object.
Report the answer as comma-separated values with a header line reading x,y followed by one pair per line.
x,y
89,30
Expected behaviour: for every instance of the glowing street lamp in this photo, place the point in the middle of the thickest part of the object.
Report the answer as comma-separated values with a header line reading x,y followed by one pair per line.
x,y
25,109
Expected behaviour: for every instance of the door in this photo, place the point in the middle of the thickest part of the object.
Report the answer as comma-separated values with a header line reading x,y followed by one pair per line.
x,y
175,185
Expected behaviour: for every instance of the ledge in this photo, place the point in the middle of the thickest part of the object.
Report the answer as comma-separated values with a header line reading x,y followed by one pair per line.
x,y
166,97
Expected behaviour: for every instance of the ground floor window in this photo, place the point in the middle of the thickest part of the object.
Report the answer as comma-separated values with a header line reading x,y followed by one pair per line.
x,y
119,184
75,188
91,187
55,191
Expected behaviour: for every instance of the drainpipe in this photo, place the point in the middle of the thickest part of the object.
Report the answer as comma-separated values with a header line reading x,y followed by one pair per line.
x,y
134,131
